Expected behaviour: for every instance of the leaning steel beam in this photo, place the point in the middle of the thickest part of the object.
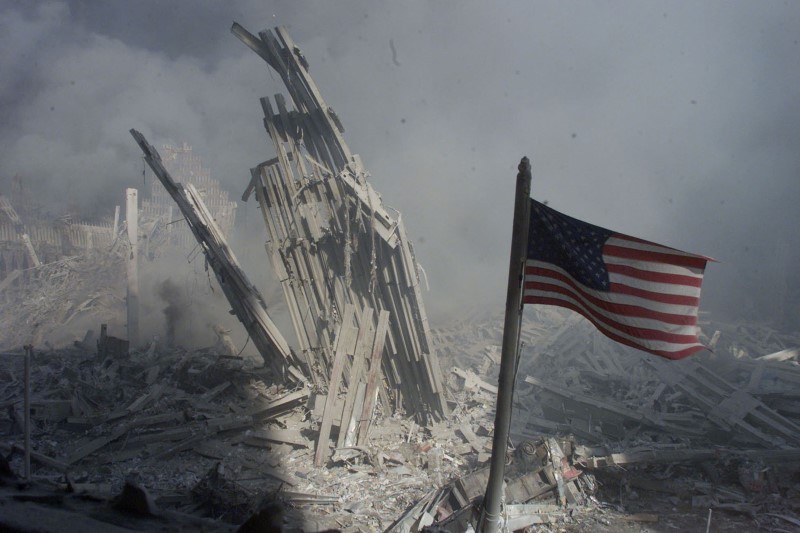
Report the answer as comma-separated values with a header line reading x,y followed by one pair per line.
x,y
333,243
247,303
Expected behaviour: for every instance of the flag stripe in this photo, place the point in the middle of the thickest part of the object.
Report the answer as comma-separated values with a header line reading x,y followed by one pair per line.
x,y
678,299
634,291
674,289
673,353
626,241
647,255
625,306
640,324
547,270
650,266
649,275
643,323
655,343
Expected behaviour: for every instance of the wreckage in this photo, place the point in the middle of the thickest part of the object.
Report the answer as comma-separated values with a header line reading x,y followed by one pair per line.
x,y
248,306
333,243
595,422
346,266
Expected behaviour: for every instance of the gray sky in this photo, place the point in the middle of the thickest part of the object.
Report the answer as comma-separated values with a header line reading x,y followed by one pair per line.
x,y
677,122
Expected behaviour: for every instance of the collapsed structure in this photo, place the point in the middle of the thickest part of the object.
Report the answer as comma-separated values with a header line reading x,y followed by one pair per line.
x,y
333,244
344,261
247,304
186,166
194,425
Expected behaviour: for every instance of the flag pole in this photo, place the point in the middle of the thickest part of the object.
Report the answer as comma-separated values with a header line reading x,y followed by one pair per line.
x,y
490,515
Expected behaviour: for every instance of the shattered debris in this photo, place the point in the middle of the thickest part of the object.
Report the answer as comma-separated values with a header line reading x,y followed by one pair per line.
x,y
359,429
209,437
46,304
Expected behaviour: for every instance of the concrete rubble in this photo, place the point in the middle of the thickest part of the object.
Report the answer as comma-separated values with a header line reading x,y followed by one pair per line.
x,y
207,436
375,421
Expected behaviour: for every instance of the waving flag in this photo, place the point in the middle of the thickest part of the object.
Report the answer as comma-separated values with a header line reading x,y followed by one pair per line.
x,y
636,292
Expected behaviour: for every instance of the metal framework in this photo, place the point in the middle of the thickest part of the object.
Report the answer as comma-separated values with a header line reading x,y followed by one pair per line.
x,y
333,244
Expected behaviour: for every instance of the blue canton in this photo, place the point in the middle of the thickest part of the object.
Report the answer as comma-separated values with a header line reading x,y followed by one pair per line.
x,y
570,244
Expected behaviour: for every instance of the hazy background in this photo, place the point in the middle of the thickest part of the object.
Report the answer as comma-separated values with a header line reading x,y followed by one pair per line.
x,y
678,122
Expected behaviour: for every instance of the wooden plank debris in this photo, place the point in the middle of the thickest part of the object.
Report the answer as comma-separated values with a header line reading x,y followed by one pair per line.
x,y
354,398
40,458
600,456
278,407
618,412
470,437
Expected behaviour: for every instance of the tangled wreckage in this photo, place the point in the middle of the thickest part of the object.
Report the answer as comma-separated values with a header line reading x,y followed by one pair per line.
x,y
355,427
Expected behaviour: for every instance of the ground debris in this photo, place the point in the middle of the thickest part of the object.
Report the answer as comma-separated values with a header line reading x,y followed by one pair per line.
x,y
214,438
363,431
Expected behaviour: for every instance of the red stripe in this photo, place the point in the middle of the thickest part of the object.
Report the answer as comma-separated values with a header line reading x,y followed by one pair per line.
x,y
616,308
677,299
658,277
630,238
624,237
679,354
634,331
620,310
619,288
655,257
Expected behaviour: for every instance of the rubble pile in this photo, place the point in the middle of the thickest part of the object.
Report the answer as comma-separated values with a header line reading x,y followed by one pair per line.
x,y
210,436
100,415
62,296
206,435
576,382
710,432
357,428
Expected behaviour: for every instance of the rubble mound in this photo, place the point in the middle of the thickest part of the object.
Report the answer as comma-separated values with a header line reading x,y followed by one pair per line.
x,y
604,439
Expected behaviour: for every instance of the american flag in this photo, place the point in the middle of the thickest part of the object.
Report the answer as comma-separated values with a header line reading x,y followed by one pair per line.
x,y
636,292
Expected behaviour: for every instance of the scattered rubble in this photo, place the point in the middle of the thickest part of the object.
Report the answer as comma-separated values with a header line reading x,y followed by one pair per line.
x,y
361,430
46,304
207,436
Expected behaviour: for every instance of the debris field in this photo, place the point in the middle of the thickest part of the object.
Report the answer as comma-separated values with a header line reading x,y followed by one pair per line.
x,y
363,417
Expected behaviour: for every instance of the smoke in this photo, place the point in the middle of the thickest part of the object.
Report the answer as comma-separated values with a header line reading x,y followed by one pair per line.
x,y
175,310
643,118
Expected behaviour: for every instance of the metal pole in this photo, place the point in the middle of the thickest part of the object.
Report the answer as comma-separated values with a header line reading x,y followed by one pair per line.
x,y
132,262
490,516
27,408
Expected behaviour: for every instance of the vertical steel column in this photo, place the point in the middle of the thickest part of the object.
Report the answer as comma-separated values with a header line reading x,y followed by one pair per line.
x,y
132,264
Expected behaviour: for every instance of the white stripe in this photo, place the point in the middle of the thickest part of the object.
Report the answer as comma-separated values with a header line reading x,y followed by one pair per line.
x,y
651,266
648,344
654,286
635,321
648,247
627,299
